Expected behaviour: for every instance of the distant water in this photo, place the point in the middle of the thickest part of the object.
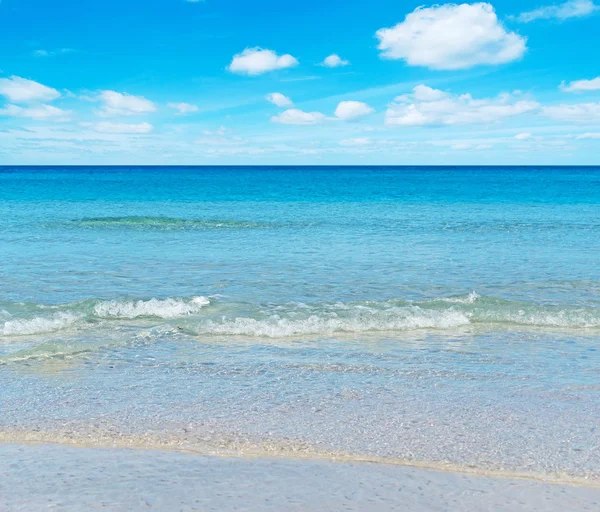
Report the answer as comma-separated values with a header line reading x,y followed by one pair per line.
x,y
437,315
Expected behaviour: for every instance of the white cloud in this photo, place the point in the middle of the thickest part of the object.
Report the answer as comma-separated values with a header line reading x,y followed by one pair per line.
x,y
255,61
464,146
38,112
51,53
183,108
279,99
296,116
451,36
22,90
334,61
523,136
588,136
577,113
221,131
581,85
107,127
570,9
123,104
428,106
356,142
460,146
350,110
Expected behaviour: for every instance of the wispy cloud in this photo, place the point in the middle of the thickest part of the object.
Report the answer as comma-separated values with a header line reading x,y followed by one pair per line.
x,y
51,53
183,108
581,85
22,90
570,9
123,104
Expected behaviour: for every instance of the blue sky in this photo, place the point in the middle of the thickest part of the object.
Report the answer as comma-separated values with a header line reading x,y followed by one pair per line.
x,y
312,82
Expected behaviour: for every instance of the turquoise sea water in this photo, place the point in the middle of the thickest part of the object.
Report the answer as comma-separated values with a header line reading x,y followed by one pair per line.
x,y
437,315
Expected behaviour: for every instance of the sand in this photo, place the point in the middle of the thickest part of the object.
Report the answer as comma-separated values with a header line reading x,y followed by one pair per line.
x,y
55,477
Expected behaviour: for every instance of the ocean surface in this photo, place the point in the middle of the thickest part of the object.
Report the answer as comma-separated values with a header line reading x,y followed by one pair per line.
x,y
445,317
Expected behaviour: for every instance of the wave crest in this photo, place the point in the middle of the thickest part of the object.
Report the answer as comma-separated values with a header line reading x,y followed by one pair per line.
x,y
354,321
167,308
196,316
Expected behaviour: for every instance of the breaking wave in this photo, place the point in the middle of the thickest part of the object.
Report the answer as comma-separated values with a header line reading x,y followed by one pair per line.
x,y
167,308
201,316
353,321
39,319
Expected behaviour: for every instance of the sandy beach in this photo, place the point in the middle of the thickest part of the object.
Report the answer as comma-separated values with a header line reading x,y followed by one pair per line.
x,y
54,477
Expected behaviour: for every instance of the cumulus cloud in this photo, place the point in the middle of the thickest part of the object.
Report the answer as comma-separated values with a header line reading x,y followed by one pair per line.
x,y
427,107
38,112
255,61
123,104
570,9
334,61
279,99
350,110
296,116
581,85
22,90
577,113
107,127
451,36
183,108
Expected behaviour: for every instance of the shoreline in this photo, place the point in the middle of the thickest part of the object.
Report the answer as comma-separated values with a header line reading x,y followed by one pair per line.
x,y
271,452
72,478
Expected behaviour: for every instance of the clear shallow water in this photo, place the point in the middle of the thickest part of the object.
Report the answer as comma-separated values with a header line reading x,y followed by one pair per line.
x,y
441,315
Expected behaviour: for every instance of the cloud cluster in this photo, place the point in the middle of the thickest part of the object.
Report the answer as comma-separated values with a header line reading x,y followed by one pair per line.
x,y
33,95
430,107
256,61
345,111
451,36
570,9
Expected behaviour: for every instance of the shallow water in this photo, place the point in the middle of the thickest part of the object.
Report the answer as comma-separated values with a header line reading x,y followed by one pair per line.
x,y
440,315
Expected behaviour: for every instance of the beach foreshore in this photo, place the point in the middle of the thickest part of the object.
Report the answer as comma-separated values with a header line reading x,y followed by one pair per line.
x,y
69,478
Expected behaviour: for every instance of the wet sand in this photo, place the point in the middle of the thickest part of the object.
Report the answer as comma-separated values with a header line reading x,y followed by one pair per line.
x,y
55,477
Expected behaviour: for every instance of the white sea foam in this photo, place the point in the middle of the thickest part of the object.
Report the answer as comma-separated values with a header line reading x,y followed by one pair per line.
x,y
296,319
39,325
358,320
161,308
468,299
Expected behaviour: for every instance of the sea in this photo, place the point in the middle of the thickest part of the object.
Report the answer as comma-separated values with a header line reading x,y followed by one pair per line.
x,y
446,317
